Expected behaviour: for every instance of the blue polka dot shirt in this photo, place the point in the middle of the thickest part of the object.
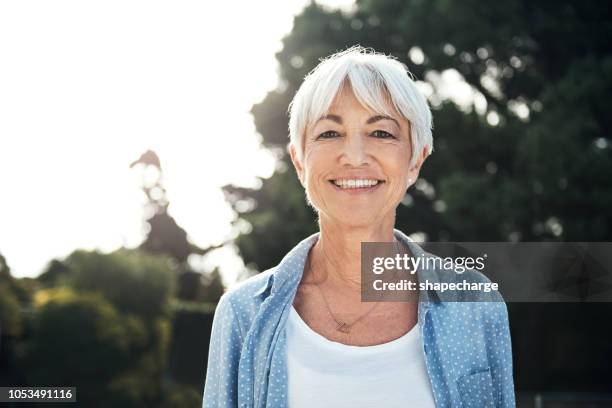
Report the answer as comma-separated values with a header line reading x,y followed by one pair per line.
x,y
466,345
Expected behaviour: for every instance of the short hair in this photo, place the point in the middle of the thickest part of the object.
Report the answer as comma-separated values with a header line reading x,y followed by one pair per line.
x,y
375,79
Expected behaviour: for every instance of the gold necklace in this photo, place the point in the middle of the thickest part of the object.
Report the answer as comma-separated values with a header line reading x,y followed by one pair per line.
x,y
341,325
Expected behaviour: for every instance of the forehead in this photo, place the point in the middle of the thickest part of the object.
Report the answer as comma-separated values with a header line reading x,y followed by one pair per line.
x,y
346,99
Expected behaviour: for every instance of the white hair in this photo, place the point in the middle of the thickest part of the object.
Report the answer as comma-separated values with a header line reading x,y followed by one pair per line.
x,y
374,79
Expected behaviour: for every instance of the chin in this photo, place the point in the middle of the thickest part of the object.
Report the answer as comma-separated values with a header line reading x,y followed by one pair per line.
x,y
357,218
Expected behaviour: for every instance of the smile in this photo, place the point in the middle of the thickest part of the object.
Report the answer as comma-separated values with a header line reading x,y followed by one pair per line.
x,y
347,184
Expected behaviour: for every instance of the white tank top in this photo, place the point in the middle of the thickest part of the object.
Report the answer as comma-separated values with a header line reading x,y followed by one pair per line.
x,y
324,373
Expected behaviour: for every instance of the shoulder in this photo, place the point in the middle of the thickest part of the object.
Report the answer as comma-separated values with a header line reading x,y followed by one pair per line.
x,y
251,287
246,297
242,300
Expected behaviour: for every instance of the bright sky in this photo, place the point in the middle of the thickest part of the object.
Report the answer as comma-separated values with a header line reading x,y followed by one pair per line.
x,y
86,87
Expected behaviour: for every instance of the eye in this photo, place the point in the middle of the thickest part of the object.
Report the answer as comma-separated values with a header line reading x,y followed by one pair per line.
x,y
328,135
381,134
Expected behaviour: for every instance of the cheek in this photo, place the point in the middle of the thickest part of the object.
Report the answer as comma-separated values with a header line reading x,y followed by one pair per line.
x,y
316,162
397,169
316,165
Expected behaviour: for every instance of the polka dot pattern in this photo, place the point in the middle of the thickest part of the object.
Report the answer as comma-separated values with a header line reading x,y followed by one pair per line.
x,y
466,344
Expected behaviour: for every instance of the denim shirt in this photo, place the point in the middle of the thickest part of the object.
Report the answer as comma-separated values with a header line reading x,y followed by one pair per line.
x,y
466,345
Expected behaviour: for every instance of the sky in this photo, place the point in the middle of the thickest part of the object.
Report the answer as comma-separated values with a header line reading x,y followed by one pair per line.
x,y
86,87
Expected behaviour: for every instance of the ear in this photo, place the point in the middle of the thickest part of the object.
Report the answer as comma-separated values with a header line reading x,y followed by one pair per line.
x,y
299,168
413,173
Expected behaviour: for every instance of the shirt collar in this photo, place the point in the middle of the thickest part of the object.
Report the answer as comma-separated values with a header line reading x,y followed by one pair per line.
x,y
288,272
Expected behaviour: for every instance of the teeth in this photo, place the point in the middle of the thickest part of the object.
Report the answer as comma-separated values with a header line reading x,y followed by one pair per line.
x,y
355,183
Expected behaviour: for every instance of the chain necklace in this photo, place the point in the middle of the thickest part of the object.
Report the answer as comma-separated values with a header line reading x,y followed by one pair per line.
x,y
341,325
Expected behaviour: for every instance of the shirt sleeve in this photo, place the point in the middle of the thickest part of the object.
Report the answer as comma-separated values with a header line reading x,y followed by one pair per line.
x,y
221,385
500,355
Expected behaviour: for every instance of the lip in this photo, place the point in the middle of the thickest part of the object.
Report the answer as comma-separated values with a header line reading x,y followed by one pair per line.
x,y
359,190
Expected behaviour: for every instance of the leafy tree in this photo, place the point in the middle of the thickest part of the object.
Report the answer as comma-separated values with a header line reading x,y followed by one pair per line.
x,y
542,69
198,287
10,313
132,281
15,297
182,396
127,292
165,237
279,220
82,340
212,289
536,176
53,274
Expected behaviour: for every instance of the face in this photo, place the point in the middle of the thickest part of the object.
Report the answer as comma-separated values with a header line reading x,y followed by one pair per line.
x,y
355,165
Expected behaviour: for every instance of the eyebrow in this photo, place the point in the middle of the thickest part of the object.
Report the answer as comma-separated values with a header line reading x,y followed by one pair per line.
x,y
373,119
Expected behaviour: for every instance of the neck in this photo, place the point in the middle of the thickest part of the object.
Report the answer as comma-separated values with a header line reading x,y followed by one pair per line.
x,y
335,259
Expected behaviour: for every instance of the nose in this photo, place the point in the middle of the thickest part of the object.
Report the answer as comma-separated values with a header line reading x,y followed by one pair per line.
x,y
354,151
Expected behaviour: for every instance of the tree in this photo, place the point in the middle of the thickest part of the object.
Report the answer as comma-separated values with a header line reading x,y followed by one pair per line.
x,y
82,340
132,281
121,300
496,173
165,237
10,313
542,68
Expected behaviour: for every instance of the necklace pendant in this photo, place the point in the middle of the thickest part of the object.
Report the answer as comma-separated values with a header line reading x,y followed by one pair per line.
x,y
343,327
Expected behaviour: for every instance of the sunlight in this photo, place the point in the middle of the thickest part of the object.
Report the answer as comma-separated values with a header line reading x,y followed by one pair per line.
x,y
88,87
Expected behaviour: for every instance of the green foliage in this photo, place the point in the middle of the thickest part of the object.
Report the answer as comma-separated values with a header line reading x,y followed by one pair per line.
x,y
22,288
569,152
141,382
131,280
166,238
82,340
213,288
191,326
10,312
198,287
542,177
15,294
54,274
280,219
182,396
103,326
5,271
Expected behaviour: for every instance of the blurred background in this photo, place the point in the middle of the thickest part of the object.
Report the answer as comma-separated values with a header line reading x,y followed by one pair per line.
x,y
143,170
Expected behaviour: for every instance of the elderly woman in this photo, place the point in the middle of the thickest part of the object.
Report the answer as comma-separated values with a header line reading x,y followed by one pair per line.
x,y
299,335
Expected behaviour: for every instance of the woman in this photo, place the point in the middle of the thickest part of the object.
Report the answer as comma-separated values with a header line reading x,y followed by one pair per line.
x,y
298,335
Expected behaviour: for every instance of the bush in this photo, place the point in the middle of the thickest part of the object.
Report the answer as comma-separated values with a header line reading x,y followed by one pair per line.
x,y
132,281
80,339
